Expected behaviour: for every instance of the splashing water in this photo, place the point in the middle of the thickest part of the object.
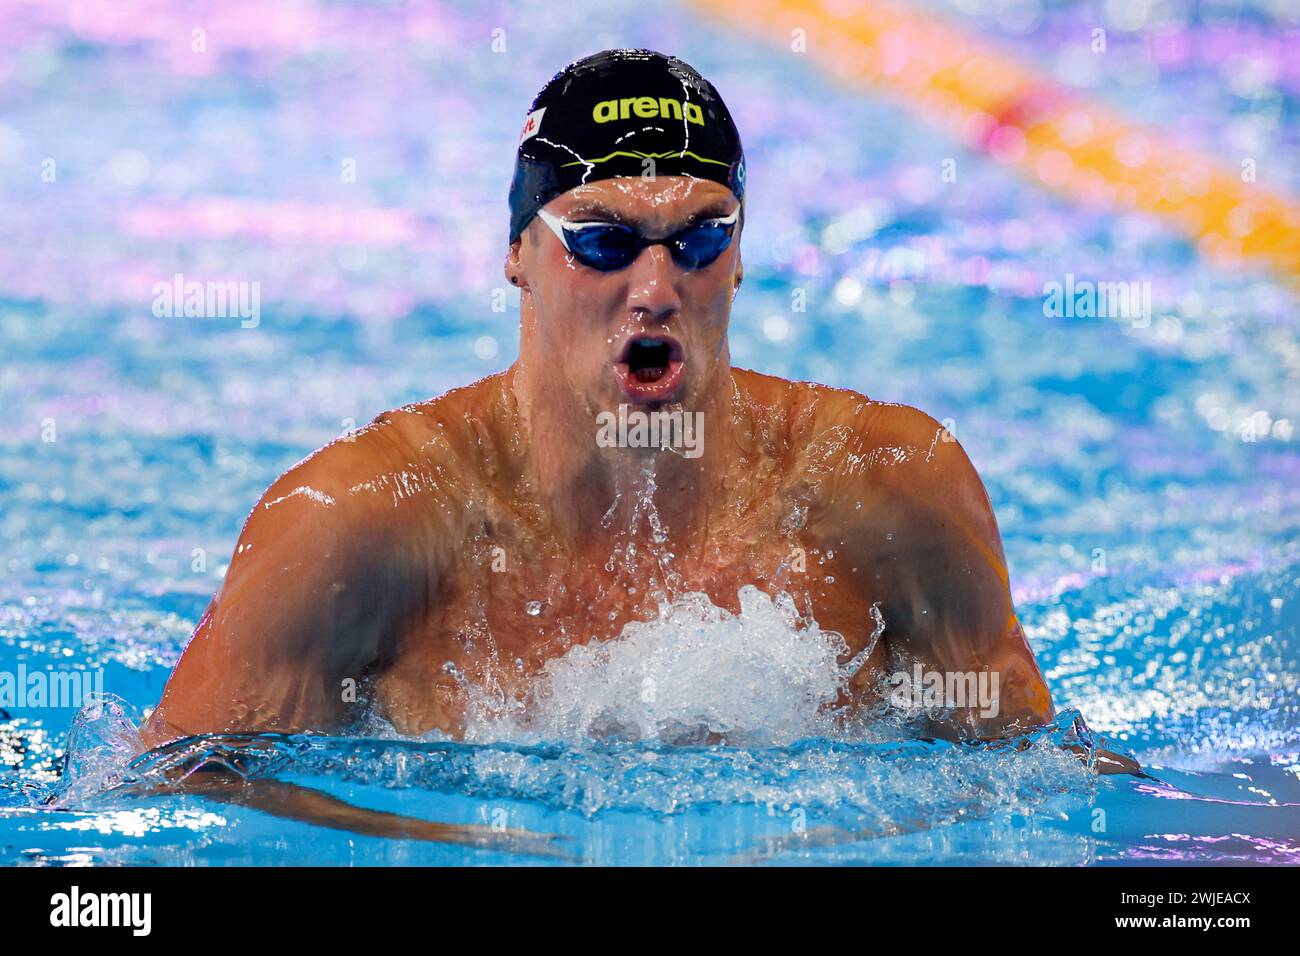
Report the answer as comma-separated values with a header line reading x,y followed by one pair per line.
x,y
695,671
621,725
859,789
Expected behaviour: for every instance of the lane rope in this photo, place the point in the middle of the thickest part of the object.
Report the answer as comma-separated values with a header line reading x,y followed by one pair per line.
x,y
1027,120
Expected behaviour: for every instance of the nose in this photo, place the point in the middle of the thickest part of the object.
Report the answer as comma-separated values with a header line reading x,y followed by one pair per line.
x,y
652,287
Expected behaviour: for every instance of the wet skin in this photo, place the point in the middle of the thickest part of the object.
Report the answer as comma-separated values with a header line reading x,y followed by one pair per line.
x,y
464,541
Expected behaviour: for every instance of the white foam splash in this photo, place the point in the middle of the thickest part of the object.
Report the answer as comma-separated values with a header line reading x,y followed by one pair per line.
x,y
765,676
102,741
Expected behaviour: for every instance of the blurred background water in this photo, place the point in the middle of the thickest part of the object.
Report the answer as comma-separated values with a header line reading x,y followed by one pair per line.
x,y
353,159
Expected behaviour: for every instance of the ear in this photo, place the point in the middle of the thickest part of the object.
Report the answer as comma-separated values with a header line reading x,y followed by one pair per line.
x,y
514,269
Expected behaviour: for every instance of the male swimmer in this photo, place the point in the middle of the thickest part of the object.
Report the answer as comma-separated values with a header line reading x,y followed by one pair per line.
x,y
463,542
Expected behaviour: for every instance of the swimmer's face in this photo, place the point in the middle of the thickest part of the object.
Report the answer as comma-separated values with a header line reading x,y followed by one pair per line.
x,y
650,334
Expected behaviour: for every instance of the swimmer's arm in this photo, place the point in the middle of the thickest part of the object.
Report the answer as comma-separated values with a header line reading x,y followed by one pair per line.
x,y
930,547
315,593
290,801
944,583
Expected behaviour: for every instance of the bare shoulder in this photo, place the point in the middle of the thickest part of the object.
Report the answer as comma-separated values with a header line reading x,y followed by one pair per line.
x,y
852,440
340,553
888,470
901,470
391,470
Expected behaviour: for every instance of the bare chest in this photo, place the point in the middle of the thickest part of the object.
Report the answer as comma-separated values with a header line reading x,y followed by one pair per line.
x,y
508,610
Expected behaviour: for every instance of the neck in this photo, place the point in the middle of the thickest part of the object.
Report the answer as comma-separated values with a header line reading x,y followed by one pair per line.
x,y
594,493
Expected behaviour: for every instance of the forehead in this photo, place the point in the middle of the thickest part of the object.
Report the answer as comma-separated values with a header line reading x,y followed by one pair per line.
x,y
640,201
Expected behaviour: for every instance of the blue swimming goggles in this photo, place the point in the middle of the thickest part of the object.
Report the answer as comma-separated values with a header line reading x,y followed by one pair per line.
x,y
609,246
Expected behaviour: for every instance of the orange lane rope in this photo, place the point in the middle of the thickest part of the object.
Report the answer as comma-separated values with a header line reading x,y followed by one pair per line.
x,y
1027,119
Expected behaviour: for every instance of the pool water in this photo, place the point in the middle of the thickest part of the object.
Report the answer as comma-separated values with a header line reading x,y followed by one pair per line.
x,y
1144,476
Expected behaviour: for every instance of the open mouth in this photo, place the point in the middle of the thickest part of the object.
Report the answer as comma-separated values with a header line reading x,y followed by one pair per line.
x,y
649,368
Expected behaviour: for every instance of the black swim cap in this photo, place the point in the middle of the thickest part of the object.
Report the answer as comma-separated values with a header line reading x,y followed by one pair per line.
x,y
607,114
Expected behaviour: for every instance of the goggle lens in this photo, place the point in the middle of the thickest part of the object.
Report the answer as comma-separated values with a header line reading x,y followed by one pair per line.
x,y
609,246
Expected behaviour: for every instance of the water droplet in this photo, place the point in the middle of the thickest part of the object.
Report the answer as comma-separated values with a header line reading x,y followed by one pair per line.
x,y
534,608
